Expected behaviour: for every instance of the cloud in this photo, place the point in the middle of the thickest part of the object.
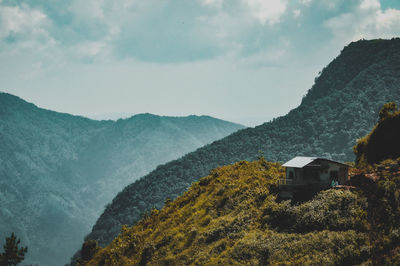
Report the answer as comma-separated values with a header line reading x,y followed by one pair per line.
x,y
267,11
370,4
366,21
184,31
21,20
388,22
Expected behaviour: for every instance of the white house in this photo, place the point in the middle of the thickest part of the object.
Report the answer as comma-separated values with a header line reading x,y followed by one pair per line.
x,y
314,171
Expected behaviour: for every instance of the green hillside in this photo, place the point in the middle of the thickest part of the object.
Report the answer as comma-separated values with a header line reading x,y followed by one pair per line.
x,y
383,142
57,171
231,217
342,106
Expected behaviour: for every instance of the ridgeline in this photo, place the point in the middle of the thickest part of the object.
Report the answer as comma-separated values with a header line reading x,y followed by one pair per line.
x,y
231,217
341,107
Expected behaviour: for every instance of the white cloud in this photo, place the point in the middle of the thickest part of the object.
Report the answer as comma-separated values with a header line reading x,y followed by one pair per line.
x,y
367,21
21,20
267,11
388,20
370,4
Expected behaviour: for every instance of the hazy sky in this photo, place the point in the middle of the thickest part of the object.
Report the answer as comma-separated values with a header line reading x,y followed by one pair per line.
x,y
241,60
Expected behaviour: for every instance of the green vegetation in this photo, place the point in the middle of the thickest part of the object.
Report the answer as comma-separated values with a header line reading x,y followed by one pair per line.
x,y
13,254
341,107
380,184
209,218
383,142
232,217
88,250
335,210
387,111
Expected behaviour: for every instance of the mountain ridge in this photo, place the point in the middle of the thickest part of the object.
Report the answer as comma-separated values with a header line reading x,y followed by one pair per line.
x,y
324,124
7,97
234,216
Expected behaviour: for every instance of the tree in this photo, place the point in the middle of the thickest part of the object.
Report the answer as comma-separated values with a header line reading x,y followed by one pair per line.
x,y
88,250
12,254
387,110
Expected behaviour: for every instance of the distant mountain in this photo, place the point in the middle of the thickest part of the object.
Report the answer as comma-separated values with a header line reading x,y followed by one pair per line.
x,y
57,171
341,107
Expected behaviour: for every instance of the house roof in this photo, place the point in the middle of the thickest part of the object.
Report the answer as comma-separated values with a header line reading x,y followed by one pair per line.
x,y
301,161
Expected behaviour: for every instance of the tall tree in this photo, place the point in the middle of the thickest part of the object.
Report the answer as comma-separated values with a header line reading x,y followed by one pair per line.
x,y
12,254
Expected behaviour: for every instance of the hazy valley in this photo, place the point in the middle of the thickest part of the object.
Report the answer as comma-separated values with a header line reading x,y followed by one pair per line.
x,y
58,171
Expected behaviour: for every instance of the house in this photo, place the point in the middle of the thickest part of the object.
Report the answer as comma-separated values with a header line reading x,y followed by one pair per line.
x,y
314,171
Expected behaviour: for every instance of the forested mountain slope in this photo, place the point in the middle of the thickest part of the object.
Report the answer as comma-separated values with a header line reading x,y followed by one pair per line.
x,y
232,217
341,107
57,171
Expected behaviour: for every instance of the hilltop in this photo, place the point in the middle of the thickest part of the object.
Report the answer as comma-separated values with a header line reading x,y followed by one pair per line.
x,y
341,107
231,217
57,171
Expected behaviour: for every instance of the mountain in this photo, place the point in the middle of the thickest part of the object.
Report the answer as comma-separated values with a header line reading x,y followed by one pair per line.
x,y
341,107
232,217
57,171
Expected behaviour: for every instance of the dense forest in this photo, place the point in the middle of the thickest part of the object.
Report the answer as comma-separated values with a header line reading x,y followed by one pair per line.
x,y
57,171
342,106
232,217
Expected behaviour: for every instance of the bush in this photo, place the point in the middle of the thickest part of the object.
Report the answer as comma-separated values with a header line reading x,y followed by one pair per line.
x,y
329,210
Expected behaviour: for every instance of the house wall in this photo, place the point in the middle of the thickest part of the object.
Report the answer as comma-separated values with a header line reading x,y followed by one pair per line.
x,y
295,172
307,175
326,176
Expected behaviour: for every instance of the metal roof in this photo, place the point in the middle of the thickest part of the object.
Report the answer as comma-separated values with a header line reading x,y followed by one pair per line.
x,y
299,161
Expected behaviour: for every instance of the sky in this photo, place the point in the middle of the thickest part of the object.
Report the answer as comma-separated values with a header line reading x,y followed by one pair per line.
x,y
245,61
